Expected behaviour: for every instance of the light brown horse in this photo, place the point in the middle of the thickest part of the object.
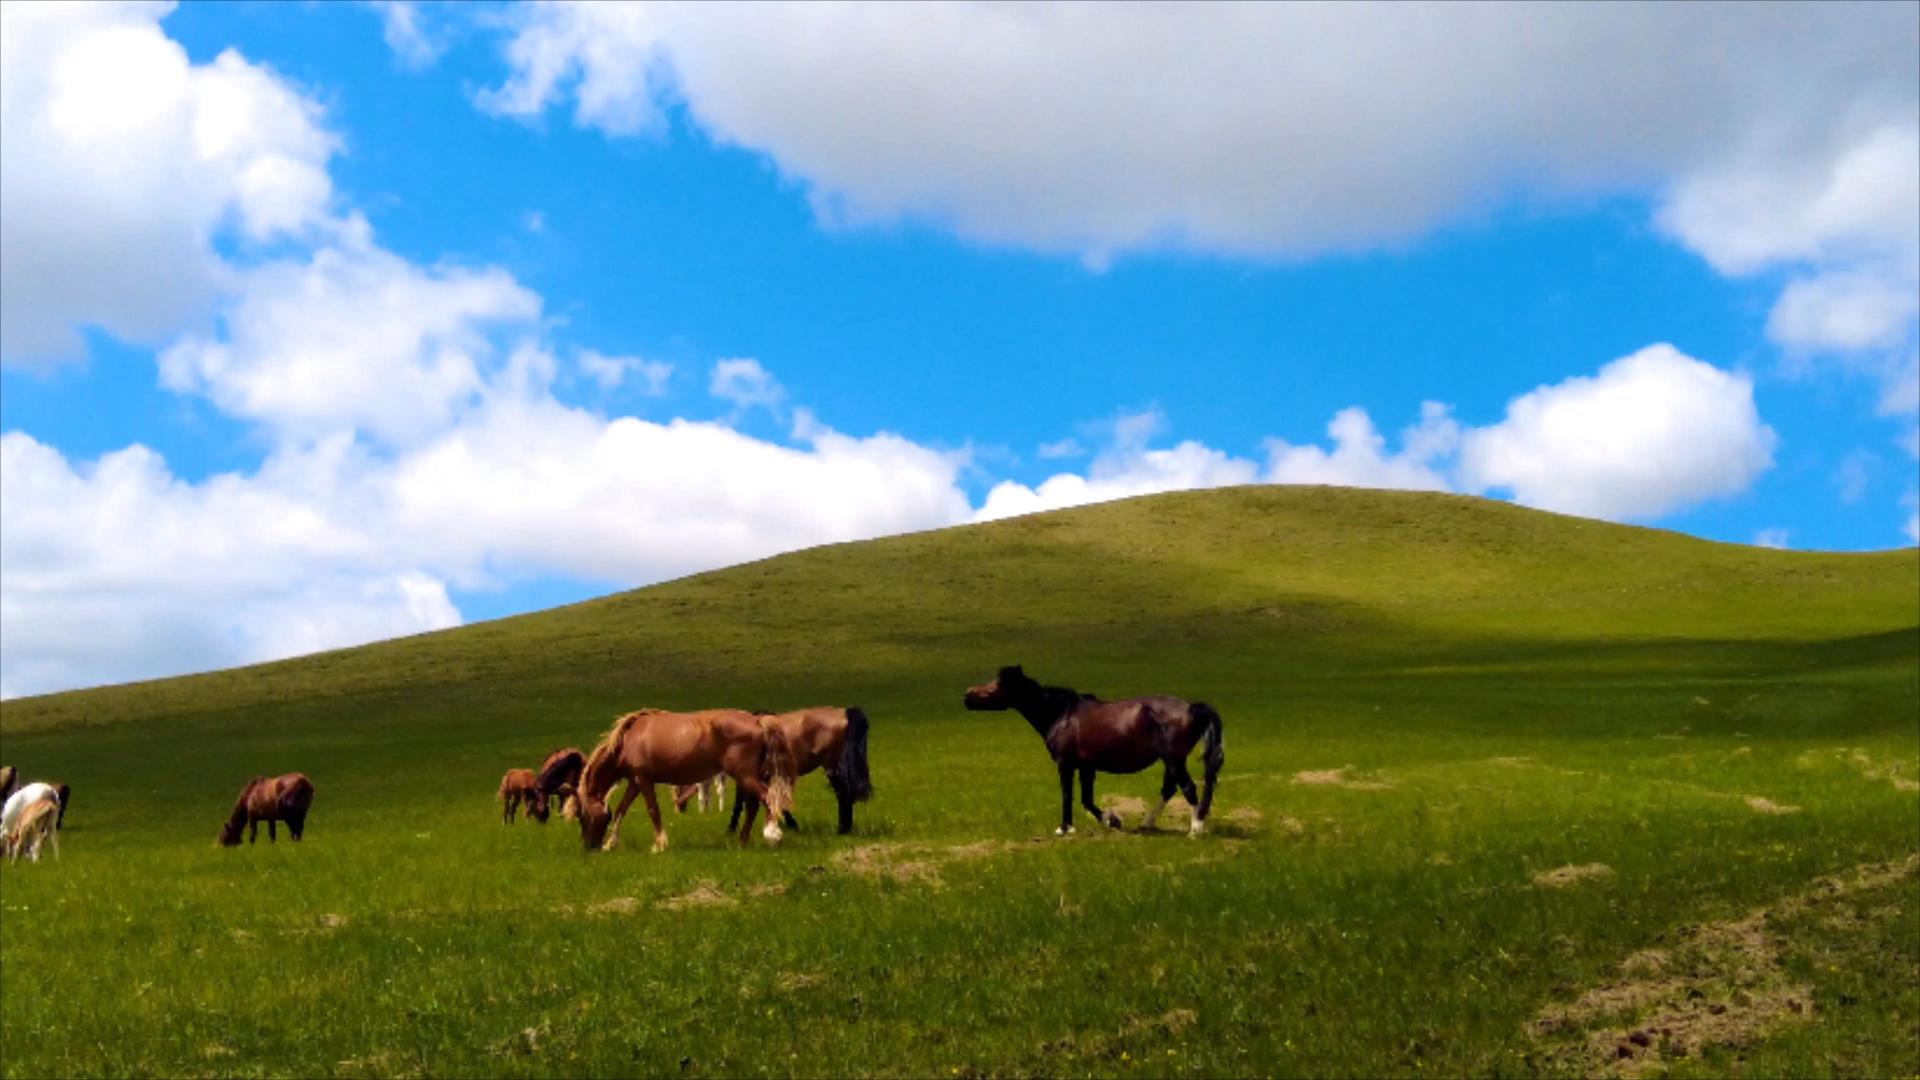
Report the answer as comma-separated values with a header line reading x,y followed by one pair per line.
x,y
831,738
653,746
269,799
518,786
559,776
1087,735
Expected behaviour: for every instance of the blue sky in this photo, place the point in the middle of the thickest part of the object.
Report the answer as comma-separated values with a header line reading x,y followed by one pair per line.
x,y
419,315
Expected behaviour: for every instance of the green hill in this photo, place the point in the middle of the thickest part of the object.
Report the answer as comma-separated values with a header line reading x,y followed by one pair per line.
x,y
1433,704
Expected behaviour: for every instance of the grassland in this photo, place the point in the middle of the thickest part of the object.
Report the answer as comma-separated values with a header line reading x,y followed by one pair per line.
x,y
1505,793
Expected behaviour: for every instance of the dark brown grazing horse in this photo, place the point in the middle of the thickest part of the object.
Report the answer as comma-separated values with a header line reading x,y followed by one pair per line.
x,y
653,746
1087,735
560,776
518,786
269,799
831,738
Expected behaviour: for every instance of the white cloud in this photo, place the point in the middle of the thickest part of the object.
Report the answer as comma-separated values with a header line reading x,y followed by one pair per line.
x,y
1358,457
1771,538
611,371
117,570
1126,467
1649,433
404,28
1275,130
1913,519
353,337
1068,447
124,161
746,384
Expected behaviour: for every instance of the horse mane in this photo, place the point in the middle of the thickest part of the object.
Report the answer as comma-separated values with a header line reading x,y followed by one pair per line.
x,y
610,743
238,819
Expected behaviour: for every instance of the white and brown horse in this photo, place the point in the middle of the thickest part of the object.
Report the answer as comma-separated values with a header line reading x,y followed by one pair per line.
x,y
653,746
35,825
1086,735
831,738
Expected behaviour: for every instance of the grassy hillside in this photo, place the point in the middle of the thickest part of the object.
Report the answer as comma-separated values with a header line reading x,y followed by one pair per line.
x,y
1429,701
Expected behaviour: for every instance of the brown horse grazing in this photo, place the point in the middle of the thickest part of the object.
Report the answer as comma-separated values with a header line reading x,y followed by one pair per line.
x,y
518,786
1087,735
653,746
559,776
831,738
280,798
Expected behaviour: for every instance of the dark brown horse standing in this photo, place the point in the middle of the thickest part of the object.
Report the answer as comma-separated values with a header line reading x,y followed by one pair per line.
x,y
269,799
559,776
1087,735
831,738
653,746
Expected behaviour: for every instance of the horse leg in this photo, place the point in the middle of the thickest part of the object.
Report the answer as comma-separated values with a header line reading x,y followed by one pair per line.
x,y
1168,785
734,821
296,826
273,836
771,831
613,832
653,813
846,805
253,829
1066,800
1086,799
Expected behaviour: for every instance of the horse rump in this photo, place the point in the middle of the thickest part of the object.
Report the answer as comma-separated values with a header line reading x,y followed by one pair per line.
x,y
296,796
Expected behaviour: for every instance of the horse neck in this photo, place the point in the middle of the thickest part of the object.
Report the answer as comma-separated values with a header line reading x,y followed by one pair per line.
x,y
1047,707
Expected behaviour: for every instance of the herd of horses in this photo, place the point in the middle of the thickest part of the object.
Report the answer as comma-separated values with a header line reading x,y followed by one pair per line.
x,y
763,754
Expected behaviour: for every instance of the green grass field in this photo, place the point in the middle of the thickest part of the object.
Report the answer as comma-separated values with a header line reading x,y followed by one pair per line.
x,y
1505,793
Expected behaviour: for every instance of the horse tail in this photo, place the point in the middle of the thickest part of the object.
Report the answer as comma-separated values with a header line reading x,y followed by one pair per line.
x,y
851,770
1213,757
778,767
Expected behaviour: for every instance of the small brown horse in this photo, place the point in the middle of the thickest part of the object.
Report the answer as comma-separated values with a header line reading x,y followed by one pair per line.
x,y
1087,735
831,738
269,799
653,746
518,786
559,776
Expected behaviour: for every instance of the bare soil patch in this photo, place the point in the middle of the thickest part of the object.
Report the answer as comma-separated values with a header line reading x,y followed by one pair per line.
x,y
1760,804
1567,876
1712,984
705,894
1339,778
619,905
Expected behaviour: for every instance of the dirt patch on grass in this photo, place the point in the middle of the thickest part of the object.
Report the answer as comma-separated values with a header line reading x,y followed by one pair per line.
x,y
793,981
619,905
1339,778
1173,1022
1567,876
889,862
1249,817
704,895
1125,805
1716,984
1760,804
768,888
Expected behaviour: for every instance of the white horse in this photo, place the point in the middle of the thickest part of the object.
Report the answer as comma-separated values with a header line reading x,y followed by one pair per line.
x,y
29,818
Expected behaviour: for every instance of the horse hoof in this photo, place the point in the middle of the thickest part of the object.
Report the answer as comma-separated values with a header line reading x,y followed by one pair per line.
x,y
1064,830
772,835
1197,828
660,844
1113,821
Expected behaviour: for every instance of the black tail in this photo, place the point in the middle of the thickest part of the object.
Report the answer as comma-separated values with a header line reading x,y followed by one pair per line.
x,y
1213,757
851,771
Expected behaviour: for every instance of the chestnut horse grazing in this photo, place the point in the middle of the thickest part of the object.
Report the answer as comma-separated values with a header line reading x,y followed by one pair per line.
x,y
269,799
518,786
1087,735
653,746
559,776
834,739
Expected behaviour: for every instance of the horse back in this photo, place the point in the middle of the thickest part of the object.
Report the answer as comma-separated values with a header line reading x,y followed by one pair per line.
x,y
1126,735
816,735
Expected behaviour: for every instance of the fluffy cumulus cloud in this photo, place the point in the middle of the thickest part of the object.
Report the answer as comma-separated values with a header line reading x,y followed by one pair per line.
x,y
351,337
125,162
116,569
1647,434
1276,130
